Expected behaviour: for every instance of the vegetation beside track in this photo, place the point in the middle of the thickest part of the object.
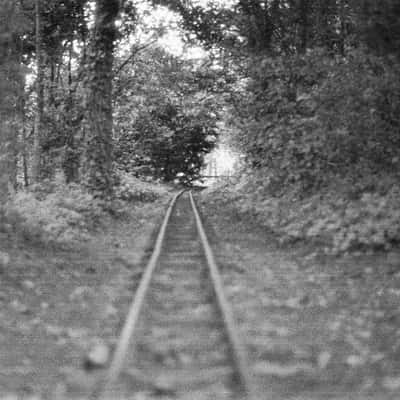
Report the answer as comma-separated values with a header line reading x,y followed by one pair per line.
x,y
63,215
333,221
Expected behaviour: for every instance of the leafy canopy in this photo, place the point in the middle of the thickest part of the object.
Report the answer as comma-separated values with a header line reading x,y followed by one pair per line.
x,y
165,121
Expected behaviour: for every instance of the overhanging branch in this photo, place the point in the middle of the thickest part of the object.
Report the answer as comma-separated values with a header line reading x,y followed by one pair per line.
x,y
133,54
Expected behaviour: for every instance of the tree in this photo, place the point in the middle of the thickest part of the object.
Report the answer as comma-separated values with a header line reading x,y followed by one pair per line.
x,y
294,55
171,144
11,87
38,127
165,119
97,167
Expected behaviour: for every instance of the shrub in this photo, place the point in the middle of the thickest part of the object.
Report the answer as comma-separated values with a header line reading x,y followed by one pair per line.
x,y
313,118
132,189
54,214
334,220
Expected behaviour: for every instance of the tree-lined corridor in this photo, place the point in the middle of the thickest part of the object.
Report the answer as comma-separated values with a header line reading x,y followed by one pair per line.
x,y
109,108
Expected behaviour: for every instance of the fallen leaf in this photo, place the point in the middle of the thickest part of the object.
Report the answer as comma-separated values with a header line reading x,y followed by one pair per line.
x,y
110,311
377,357
364,334
391,382
293,302
55,330
80,292
282,331
355,361
4,259
322,302
27,284
19,307
324,359
76,333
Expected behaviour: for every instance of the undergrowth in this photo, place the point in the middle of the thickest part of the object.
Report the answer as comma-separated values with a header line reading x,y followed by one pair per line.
x,y
335,220
319,135
60,214
131,189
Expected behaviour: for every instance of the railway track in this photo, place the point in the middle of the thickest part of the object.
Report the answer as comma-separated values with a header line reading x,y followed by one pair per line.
x,y
179,336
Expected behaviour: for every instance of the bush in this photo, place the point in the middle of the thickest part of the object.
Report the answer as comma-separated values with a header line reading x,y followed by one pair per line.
x,y
56,214
132,189
314,118
334,220
53,212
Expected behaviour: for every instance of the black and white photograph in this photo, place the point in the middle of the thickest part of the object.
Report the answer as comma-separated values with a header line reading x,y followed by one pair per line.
x,y
199,199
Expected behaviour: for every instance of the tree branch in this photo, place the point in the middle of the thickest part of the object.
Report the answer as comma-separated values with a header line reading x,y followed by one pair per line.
x,y
132,55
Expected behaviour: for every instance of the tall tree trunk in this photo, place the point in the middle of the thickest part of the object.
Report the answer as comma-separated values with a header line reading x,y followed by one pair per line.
x,y
304,11
4,132
9,76
70,163
23,146
343,29
53,84
4,159
25,159
14,149
97,166
38,125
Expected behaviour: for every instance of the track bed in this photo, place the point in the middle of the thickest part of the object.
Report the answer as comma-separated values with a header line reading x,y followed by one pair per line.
x,y
179,344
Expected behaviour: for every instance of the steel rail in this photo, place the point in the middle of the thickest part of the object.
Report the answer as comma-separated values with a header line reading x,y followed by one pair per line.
x,y
238,351
119,356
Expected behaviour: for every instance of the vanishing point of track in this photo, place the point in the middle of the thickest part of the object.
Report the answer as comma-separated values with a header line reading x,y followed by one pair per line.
x,y
179,322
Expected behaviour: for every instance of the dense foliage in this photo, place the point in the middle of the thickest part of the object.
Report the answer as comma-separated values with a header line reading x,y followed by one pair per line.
x,y
166,145
165,122
313,108
334,221
312,120
59,214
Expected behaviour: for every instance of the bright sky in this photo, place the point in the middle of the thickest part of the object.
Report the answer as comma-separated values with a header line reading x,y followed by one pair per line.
x,y
168,23
222,159
151,17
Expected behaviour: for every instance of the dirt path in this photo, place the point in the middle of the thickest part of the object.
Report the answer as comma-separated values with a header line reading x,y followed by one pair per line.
x,y
57,305
316,328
